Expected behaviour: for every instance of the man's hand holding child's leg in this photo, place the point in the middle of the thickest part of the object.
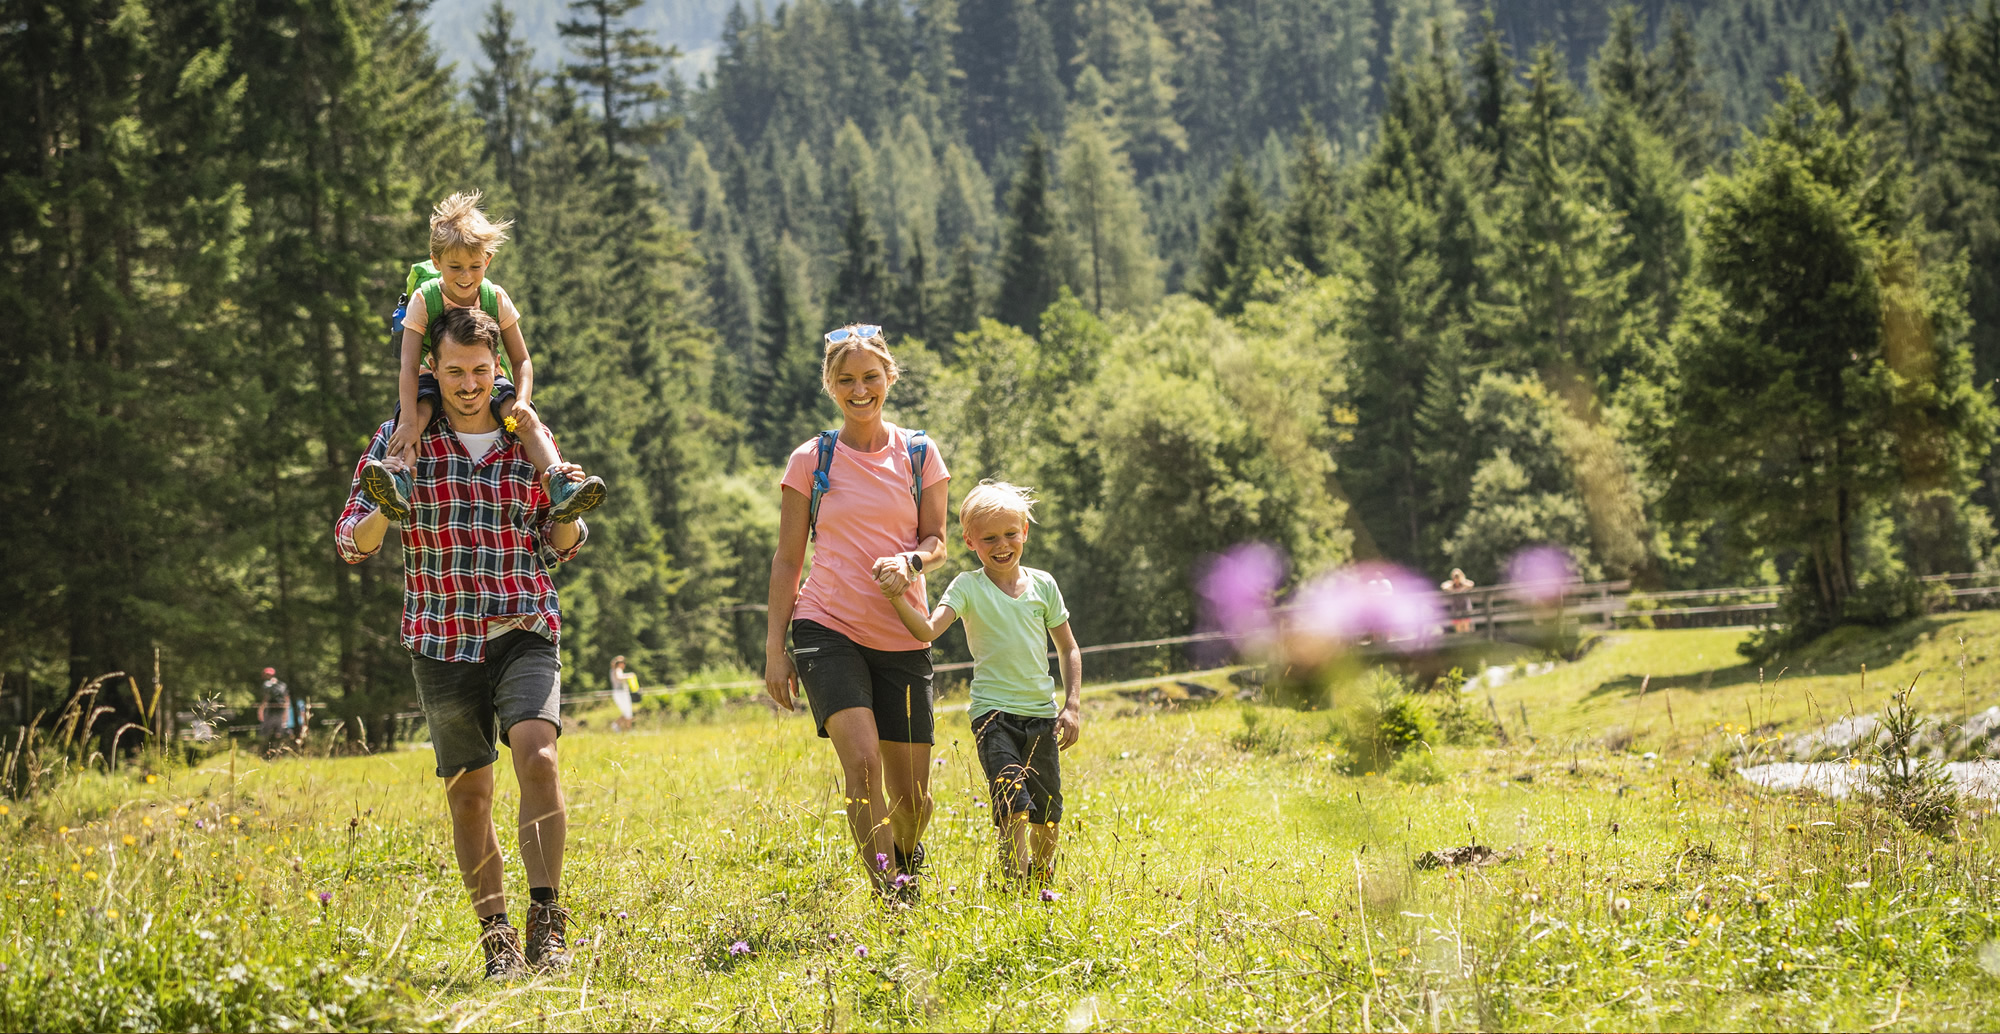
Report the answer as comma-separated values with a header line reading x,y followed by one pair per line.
x,y
572,493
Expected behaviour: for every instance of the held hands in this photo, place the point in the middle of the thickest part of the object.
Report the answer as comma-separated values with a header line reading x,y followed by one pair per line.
x,y
402,445
892,575
1069,727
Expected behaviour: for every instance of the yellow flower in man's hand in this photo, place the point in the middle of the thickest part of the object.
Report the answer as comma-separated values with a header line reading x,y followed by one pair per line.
x,y
511,424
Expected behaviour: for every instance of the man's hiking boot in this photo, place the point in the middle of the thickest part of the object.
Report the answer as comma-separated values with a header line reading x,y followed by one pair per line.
x,y
387,489
503,953
569,500
548,932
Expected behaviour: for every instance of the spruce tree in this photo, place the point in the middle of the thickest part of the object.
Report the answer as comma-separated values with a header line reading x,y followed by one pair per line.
x,y
1237,244
1106,220
619,62
1311,223
861,283
1030,259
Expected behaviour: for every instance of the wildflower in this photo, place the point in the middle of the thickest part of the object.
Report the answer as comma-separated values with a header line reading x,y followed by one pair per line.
x,y
177,852
111,913
1621,905
3,809
902,880
234,821
511,424
199,824
1050,895
62,831
740,948
325,898
73,867
1763,897
91,875
130,840
833,938
621,915
1380,972
1402,953
147,821
180,813
151,778
860,951
881,862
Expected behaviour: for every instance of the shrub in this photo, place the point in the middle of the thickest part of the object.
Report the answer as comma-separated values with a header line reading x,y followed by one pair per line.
x,y
1386,722
1260,735
1913,785
1457,723
1420,767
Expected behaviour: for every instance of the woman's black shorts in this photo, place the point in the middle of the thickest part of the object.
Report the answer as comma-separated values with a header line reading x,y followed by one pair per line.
x,y
839,673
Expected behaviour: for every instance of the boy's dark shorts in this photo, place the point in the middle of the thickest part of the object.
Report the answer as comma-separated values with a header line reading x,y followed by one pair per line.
x,y
464,701
1022,763
839,673
427,391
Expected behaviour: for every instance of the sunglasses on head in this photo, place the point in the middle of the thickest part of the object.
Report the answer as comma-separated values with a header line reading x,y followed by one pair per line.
x,y
865,330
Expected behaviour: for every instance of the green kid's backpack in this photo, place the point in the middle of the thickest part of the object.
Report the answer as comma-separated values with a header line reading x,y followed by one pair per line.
x,y
425,280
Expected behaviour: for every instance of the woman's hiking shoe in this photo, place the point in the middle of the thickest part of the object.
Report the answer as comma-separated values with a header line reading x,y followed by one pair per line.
x,y
387,489
548,932
503,952
569,500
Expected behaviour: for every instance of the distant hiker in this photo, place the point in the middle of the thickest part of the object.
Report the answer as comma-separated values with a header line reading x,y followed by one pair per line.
x,y
274,709
878,492
463,243
1011,613
624,688
1461,605
481,622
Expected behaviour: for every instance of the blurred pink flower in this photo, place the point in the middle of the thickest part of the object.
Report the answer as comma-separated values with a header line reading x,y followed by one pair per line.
x,y
1235,589
1541,573
1370,600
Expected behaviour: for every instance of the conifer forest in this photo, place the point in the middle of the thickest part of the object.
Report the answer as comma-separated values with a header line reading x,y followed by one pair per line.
x,y
1707,294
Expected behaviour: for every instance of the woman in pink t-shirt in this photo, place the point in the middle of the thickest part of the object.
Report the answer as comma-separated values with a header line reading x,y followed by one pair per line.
x,y
866,678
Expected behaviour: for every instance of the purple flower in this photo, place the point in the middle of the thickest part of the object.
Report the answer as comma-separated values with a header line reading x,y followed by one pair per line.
x,y
881,862
902,880
1050,895
621,915
740,948
860,951
198,824
833,938
325,898
1367,600
1235,589
1541,574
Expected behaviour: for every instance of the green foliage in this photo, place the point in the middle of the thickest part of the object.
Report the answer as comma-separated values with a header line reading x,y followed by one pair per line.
x,y
1909,782
1419,768
1237,248
1384,723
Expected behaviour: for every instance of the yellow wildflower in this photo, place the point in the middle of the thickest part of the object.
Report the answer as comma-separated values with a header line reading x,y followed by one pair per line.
x,y
130,840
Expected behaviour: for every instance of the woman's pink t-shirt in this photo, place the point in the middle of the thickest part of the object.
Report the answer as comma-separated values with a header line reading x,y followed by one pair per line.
x,y
867,512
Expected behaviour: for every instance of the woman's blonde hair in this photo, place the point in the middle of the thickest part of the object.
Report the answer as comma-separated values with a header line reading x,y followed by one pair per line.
x,y
458,224
837,352
992,498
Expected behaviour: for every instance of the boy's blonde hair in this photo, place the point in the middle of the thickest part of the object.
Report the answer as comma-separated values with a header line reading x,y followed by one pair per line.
x,y
458,224
838,351
992,498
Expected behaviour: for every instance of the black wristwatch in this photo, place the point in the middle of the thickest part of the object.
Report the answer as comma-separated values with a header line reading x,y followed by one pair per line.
x,y
916,562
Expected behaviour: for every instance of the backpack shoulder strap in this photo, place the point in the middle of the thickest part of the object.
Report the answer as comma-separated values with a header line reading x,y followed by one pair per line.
x,y
821,483
920,447
432,292
489,299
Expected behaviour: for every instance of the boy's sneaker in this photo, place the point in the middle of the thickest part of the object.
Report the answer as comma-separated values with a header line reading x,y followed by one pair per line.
x,y
569,500
548,930
503,953
908,886
389,490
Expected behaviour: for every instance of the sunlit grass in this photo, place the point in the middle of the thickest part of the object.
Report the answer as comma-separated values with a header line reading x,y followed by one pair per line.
x,y
1201,886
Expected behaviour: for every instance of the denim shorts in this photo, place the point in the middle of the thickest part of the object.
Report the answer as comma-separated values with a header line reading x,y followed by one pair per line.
x,y
1023,765
467,702
839,673
427,390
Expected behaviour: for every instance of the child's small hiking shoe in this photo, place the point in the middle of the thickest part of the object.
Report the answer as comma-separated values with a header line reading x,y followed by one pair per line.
x,y
389,490
548,933
503,953
569,500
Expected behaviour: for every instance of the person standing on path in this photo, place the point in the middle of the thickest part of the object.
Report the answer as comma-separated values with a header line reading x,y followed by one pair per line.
x,y
274,709
481,621
871,498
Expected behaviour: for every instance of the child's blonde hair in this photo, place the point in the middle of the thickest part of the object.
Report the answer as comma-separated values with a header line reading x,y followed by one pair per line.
x,y
992,498
838,351
458,224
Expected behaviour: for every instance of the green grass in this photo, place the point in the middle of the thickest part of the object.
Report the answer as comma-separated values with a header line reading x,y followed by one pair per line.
x,y
1203,884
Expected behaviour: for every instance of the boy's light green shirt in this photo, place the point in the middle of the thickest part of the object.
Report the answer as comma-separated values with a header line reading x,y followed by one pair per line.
x,y
1010,641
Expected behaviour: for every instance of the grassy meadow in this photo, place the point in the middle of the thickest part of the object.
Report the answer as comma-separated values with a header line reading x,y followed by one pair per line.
x,y
1218,872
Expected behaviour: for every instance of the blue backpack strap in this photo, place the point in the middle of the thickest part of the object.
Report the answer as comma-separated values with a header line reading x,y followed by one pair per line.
x,y
820,481
919,446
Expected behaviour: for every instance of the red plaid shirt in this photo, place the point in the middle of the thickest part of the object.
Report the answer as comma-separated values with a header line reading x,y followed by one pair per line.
x,y
476,546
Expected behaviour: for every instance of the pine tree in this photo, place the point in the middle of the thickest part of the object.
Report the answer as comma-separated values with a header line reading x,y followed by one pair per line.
x,y
1494,96
1030,261
1107,221
618,61
1237,245
503,93
1311,224
1842,78
961,306
860,286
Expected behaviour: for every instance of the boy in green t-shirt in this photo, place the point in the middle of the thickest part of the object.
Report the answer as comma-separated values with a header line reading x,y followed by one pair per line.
x,y
1010,614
